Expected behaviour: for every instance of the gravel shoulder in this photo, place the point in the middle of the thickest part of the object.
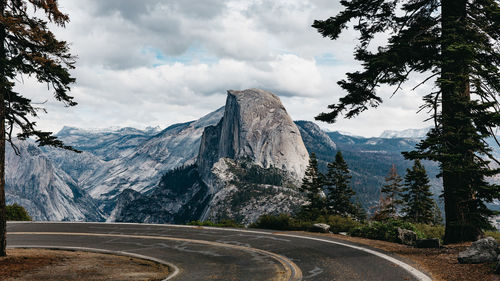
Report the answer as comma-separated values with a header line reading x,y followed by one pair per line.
x,y
441,264
40,264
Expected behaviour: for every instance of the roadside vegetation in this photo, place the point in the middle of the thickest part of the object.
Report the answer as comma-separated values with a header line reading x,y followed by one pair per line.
x,y
221,223
17,212
405,203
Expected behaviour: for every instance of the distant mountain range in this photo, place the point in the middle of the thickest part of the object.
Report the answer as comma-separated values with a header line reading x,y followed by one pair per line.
x,y
242,160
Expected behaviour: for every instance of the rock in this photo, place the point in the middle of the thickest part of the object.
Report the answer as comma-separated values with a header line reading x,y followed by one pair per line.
x,y
320,227
428,243
407,237
483,250
497,268
256,127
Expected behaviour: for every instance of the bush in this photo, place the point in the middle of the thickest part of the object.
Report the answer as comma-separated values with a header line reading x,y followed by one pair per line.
x,y
280,222
430,231
17,212
221,223
386,231
339,223
493,233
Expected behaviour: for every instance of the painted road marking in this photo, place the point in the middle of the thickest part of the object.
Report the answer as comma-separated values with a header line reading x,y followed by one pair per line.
x,y
413,271
292,271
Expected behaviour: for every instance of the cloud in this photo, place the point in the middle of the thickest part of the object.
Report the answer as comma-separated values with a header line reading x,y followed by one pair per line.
x,y
159,62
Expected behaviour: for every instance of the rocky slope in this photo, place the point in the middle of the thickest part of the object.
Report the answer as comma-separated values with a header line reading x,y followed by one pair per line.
x,y
255,133
46,191
255,127
249,163
142,169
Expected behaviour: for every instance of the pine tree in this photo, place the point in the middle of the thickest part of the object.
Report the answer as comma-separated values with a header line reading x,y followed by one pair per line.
x,y
29,48
455,43
380,212
340,193
312,186
417,199
359,212
392,193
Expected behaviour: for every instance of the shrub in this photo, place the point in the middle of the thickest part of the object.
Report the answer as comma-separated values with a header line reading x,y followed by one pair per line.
x,y
493,233
280,222
339,223
386,231
221,223
17,212
430,231
268,221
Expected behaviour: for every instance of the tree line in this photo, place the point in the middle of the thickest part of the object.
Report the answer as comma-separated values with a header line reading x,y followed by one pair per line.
x,y
331,194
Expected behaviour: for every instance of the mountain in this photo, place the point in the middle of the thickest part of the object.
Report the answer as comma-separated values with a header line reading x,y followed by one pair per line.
x,y
408,133
46,191
142,169
248,164
240,161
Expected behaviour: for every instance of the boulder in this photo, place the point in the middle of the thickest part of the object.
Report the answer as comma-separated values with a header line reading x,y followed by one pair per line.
x,y
320,227
407,237
497,268
427,243
483,250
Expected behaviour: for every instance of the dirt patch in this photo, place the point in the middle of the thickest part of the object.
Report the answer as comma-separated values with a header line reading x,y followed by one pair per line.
x,y
38,264
441,264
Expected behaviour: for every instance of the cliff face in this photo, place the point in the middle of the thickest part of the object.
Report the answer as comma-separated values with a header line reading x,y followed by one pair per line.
x,y
46,191
256,128
253,159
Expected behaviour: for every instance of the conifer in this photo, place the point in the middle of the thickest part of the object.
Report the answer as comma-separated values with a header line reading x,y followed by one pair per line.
x,y
392,193
417,198
29,48
340,193
312,186
454,43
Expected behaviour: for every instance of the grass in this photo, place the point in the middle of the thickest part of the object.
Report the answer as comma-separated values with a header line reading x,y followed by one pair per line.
x,y
430,231
493,233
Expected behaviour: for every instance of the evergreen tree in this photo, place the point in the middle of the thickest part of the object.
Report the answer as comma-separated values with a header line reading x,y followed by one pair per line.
x,y
381,212
29,48
418,202
455,43
312,186
359,212
392,193
340,193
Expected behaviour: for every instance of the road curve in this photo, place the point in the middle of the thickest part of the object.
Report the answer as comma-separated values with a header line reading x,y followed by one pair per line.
x,y
205,253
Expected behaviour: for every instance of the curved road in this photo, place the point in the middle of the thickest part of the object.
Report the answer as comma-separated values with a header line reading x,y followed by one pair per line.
x,y
205,253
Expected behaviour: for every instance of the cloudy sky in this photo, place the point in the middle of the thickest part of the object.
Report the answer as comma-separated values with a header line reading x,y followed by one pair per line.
x,y
159,62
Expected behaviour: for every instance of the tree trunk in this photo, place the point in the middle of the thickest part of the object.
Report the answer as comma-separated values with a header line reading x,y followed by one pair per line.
x,y
3,88
457,164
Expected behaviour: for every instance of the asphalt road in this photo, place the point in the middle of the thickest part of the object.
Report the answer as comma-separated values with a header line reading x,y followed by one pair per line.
x,y
204,253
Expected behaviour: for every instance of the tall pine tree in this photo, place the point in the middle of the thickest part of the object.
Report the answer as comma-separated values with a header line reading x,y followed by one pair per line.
x,y
312,186
417,198
340,193
392,193
29,48
455,43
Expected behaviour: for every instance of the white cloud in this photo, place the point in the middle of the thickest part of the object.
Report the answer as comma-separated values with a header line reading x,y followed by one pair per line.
x,y
155,62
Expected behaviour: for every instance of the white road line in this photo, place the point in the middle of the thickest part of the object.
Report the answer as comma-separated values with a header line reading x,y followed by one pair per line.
x,y
292,271
413,271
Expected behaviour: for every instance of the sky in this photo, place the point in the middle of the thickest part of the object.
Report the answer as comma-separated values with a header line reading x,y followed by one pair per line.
x,y
159,62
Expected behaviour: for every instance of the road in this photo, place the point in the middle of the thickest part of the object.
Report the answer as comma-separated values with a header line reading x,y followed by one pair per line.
x,y
205,253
